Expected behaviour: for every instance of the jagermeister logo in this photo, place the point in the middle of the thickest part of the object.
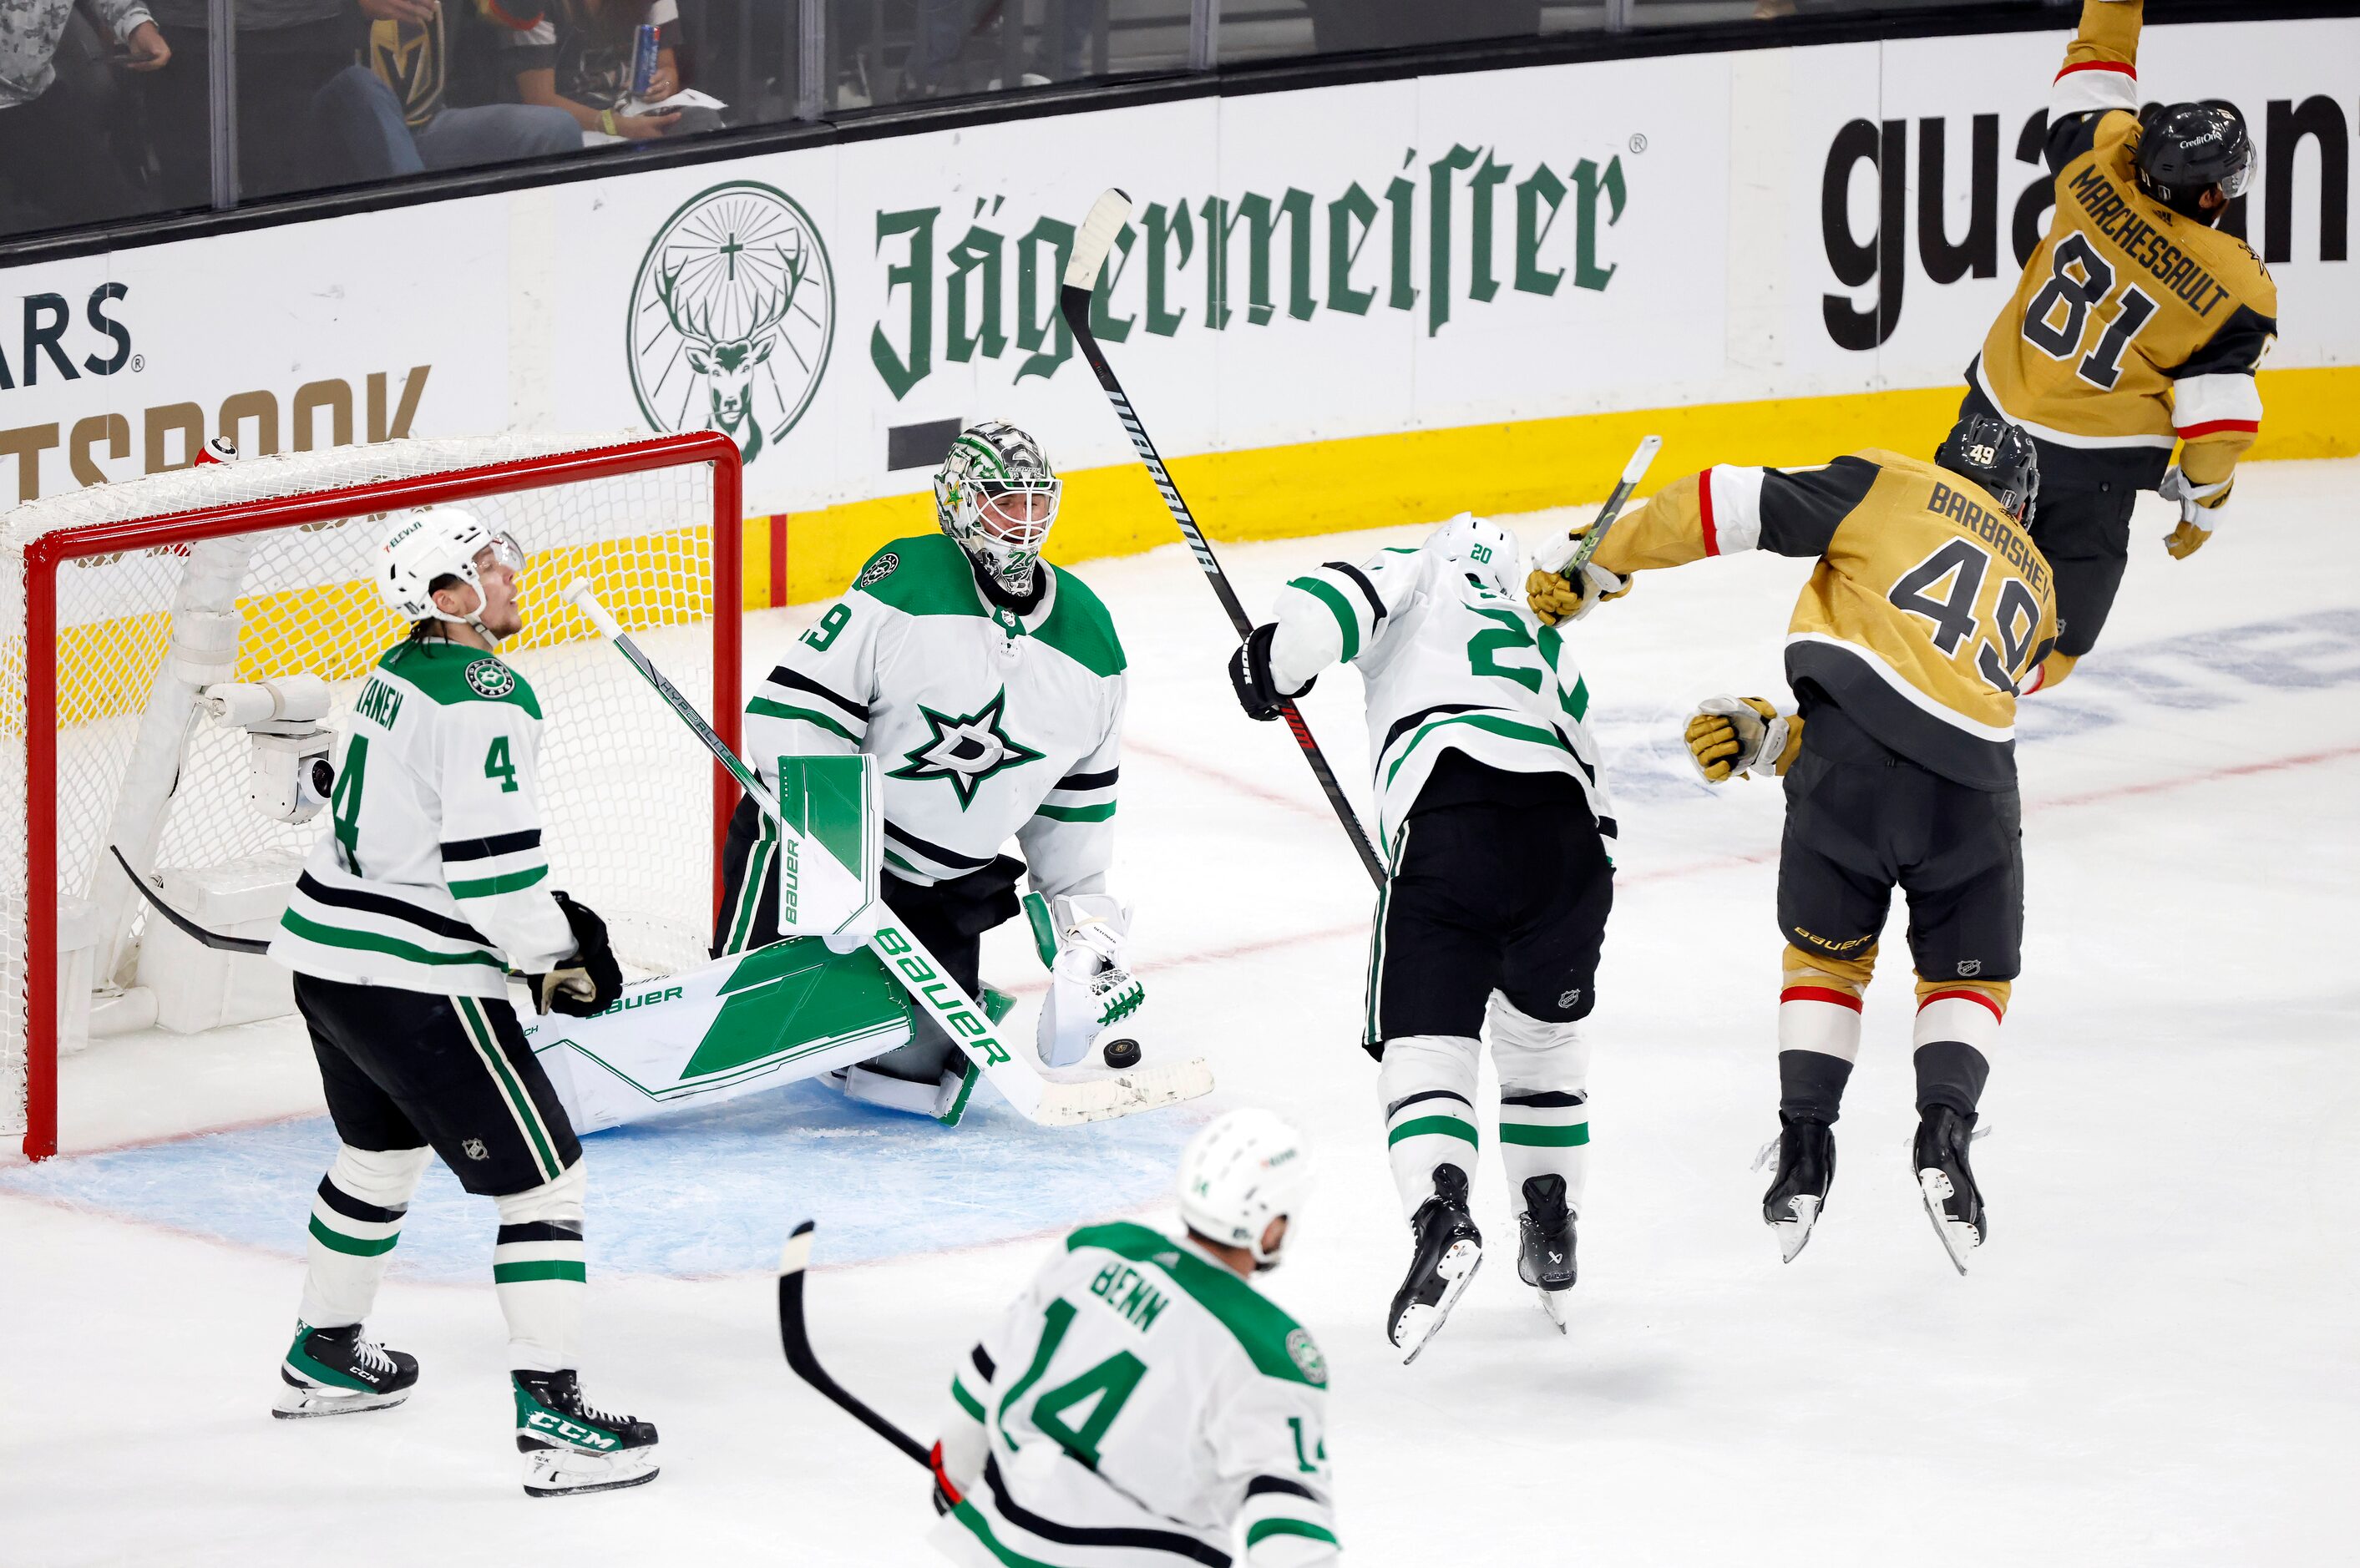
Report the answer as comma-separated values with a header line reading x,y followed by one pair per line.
x,y
732,316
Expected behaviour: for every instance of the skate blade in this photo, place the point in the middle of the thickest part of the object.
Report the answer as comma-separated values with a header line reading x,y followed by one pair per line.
x,y
1420,1322
563,1472
1553,1304
298,1404
1796,1234
1958,1238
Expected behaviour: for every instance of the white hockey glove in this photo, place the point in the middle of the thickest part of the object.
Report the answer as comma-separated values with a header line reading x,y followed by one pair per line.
x,y
1729,735
1090,983
2200,510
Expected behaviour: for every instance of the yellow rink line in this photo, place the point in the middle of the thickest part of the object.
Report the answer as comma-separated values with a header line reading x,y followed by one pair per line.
x,y
1369,481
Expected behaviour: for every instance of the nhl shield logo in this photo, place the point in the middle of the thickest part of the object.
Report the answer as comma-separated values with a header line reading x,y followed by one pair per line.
x,y
1969,967
490,678
732,316
474,1150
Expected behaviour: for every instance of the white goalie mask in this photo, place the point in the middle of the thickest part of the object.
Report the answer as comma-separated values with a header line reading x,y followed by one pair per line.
x,y
435,542
1245,1170
1489,552
996,496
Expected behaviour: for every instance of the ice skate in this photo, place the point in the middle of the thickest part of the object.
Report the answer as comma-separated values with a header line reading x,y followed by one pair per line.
x,y
1939,1155
570,1447
1546,1260
1799,1192
1449,1250
339,1371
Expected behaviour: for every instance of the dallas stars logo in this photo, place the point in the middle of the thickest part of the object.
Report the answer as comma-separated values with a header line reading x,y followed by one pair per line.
x,y
965,751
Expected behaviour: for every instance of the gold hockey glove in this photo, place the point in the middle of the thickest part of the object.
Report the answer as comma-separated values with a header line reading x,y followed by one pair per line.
x,y
2200,510
1554,597
1742,734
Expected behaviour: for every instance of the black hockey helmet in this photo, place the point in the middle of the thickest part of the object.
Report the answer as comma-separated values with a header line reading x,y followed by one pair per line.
x,y
2186,149
1998,456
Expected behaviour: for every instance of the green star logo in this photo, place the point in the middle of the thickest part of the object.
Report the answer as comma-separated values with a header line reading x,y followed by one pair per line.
x,y
965,750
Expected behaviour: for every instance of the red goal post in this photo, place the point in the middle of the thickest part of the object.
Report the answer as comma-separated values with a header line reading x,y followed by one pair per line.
x,y
660,517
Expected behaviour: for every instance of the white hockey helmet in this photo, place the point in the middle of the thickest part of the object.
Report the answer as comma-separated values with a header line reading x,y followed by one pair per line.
x,y
1245,1170
995,463
1490,552
434,542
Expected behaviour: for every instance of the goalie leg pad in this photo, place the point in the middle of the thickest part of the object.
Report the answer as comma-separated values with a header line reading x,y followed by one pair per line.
x,y
1426,1090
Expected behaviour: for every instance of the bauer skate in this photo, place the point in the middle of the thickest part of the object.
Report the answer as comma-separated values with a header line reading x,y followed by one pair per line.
x,y
570,1447
339,1371
1939,1155
1799,1192
1546,1260
1449,1250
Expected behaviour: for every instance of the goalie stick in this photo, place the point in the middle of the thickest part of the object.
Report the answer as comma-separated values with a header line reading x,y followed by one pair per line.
x,y
1097,237
794,1338
1045,1100
213,939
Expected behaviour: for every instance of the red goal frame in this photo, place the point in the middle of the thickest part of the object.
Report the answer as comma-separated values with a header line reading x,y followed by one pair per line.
x,y
45,555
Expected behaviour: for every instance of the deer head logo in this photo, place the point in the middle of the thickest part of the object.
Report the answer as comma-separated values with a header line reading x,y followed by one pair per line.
x,y
732,317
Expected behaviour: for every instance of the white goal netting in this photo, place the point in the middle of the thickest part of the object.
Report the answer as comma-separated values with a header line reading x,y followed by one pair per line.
x,y
136,630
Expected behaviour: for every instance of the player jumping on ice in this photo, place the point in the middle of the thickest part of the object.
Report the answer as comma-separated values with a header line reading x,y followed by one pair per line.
x,y
1928,607
404,925
2138,323
1142,1403
1494,821
989,685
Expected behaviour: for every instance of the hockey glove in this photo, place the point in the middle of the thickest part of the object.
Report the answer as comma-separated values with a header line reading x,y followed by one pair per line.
x,y
1742,734
586,982
2200,510
1084,938
1554,597
1250,675
947,1496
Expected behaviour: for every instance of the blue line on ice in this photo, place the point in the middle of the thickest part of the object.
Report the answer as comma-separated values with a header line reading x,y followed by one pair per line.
x,y
701,1192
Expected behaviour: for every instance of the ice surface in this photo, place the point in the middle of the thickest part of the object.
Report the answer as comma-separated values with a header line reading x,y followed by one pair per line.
x,y
2156,1360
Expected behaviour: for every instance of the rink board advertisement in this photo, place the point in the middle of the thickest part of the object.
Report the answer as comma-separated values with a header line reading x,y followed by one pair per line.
x,y
1352,305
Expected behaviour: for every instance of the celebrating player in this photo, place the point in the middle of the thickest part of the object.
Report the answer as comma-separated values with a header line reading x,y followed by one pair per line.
x,y
1929,606
403,926
1142,1403
2137,323
990,686
1493,818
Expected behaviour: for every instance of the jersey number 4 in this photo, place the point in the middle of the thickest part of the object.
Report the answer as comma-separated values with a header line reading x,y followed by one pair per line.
x,y
2054,321
2005,649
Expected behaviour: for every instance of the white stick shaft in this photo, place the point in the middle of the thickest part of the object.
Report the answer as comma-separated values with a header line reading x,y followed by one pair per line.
x,y
1636,469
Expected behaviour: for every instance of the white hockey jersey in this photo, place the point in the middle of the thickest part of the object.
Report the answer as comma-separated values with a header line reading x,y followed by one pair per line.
x,y
431,877
1449,665
1139,1406
987,725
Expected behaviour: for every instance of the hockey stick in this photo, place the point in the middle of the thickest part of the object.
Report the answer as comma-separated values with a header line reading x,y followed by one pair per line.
x,y
1642,458
213,939
1048,1102
1098,234
794,1338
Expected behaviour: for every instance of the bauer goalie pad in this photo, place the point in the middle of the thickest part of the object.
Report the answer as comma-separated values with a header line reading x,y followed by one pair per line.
x,y
833,802
753,1020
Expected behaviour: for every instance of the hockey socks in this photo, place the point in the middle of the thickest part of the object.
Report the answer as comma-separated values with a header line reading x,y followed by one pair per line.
x,y
356,1220
1544,1103
1428,1088
537,1272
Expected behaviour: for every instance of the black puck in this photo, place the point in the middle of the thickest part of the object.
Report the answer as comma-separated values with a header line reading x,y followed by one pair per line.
x,y
1121,1053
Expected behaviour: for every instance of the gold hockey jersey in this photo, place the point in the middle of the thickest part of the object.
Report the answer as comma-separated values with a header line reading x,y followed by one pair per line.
x,y
2133,328
1928,607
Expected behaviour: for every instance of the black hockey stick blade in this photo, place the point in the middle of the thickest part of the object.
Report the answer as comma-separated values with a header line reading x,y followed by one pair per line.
x,y
794,1338
213,939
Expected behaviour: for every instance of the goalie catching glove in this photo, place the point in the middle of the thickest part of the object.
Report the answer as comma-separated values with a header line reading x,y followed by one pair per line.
x,y
1742,734
2200,511
1083,938
586,984
1554,597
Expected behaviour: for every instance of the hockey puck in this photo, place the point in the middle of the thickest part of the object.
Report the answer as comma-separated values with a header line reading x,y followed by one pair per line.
x,y
1121,1053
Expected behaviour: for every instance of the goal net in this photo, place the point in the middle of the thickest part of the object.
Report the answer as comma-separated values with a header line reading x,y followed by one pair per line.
x,y
139,621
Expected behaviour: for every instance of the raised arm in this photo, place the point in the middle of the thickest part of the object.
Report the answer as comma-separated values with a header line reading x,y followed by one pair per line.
x,y
2100,74
1728,509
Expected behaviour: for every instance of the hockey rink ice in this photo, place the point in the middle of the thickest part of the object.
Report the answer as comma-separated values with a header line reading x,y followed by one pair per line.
x,y
2155,1360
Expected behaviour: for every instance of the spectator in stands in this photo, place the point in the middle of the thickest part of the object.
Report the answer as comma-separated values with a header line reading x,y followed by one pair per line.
x,y
286,50
391,116
54,158
578,58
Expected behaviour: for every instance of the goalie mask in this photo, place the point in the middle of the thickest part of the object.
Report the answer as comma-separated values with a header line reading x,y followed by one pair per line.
x,y
1489,552
1240,1173
997,497
434,542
